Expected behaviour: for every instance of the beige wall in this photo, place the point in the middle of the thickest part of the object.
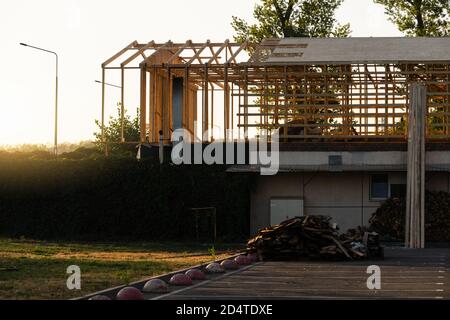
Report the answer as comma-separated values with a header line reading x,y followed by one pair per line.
x,y
343,196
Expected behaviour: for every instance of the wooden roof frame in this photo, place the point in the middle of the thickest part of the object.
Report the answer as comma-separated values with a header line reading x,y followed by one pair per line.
x,y
140,49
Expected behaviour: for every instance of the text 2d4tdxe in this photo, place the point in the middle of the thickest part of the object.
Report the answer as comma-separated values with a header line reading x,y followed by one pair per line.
x,y
225,309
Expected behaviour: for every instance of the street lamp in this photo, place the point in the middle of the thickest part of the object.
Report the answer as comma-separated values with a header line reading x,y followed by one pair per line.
x,y
108,84
56,94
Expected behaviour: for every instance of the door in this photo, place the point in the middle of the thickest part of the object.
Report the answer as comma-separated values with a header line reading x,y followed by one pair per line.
x,y
285,209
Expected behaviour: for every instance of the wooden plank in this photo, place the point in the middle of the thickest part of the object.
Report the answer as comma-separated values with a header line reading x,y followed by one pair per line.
x,y
117,55
141,51
197,54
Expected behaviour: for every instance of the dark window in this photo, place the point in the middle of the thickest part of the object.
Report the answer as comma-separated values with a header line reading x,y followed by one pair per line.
x,y
379,186
398,190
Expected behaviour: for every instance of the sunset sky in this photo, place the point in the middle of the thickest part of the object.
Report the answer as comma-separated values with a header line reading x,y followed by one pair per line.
x,y
87,32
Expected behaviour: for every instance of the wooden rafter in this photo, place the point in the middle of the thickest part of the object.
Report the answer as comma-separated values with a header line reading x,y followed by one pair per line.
x,y
141,51
197,54
177,54
118,54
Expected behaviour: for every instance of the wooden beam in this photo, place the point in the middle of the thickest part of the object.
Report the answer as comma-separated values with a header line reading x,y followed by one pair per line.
x,y
236,53
165,46
180,50
118,54
197,54
103,113
122,105
415,198
205,109
143,104
217,53
138,53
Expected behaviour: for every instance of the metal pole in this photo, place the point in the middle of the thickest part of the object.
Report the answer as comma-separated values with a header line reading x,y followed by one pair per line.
x,y
56,95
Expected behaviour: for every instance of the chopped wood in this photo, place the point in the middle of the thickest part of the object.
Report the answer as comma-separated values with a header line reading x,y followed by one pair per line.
x,y
313,237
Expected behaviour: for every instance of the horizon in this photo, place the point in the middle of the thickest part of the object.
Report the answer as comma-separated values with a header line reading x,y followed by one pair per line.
x,y
84,37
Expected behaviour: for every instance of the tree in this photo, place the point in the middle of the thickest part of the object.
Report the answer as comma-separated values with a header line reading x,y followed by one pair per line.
x,y
112,132
419,17
291,18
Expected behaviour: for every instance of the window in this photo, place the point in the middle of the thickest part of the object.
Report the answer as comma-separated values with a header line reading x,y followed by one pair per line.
x,y
379,186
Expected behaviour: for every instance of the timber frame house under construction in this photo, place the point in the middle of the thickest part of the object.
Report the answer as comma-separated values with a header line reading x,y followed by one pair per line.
x,y
352,89
359,119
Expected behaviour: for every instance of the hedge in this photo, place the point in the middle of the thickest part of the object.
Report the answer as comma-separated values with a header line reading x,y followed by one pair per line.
x,y
118,199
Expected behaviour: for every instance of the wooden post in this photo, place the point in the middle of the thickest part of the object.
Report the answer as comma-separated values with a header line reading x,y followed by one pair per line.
x,y
415,199
205,111
143,103
105,145
122,105
226,103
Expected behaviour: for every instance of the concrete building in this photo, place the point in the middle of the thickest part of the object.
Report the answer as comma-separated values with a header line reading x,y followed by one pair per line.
x,y
310,182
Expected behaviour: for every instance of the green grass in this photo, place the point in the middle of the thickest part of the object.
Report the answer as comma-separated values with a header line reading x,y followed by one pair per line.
x,y
37,269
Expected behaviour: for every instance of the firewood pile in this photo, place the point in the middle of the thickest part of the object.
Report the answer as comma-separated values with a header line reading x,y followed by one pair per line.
x,y
313,237
389,219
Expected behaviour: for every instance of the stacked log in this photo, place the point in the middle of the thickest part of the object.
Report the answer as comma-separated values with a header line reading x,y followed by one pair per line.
x,y
313,237
389,219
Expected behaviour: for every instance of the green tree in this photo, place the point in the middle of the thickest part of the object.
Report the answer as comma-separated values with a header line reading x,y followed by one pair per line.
x,y
291,18
112,132
419,17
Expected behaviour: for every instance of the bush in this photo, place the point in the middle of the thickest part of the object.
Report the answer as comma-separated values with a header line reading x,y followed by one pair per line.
x,y
118,199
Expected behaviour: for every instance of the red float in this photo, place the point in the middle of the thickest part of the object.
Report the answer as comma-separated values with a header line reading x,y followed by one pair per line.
x,y
253,257
214,268
229,265
180,279
242,260
195,274
155,286
130,293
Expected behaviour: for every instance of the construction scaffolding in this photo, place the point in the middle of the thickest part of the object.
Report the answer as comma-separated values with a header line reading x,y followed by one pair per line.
x,y
307,90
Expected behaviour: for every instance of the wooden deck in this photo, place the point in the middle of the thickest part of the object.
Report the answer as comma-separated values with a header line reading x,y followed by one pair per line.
x,y
405,274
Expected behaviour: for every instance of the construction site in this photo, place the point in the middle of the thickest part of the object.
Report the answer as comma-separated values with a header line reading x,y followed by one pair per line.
x,y
357,120
327,90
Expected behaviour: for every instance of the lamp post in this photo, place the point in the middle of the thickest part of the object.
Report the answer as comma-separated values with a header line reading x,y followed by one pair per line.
x,y
56,94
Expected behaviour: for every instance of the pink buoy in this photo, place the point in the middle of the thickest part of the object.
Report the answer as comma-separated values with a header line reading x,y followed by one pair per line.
x,y
130,293
253,257
156,286
229,265
195,274
214,268
180,279
100,297
242,260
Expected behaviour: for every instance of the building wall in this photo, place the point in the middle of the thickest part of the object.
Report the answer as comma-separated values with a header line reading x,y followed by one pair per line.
x,y
345,196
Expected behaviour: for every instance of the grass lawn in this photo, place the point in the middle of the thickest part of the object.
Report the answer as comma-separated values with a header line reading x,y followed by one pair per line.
x,y
32,269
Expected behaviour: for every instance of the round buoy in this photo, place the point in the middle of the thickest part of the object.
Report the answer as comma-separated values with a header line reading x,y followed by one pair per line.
x,y
180,279
130,293
195,274
242,260
229,265
214,268
100,297
156,286
253,257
